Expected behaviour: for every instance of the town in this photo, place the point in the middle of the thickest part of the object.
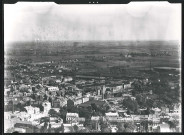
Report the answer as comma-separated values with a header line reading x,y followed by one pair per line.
x,y
74,95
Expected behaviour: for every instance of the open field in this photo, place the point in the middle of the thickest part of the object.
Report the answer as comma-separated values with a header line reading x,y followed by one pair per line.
x,y
98,55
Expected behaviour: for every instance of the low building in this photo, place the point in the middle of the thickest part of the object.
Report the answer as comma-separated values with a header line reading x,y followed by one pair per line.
x,y
55,122
164,128
32,110
112,117
52,90
68,128
47,106
95,122
81,120
72,117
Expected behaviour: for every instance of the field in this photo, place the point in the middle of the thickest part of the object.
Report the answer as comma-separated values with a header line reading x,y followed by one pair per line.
x,y
98,56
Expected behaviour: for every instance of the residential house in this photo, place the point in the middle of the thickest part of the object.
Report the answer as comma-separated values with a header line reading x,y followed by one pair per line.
x,y
164,127
72,117
112,117
95,122
47,106
68,128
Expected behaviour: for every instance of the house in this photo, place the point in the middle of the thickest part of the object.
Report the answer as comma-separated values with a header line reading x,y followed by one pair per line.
x,y
17,99
56,104
164,127
23,116
81,120
52,90
72,117
68,128
20,130
67,79
165,109
6,91
111,114
25,125
47,106
156,110
95,122
114,129
32,110
55,122
127,85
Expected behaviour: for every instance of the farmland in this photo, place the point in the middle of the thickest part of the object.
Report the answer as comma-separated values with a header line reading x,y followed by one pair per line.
x,y
99,57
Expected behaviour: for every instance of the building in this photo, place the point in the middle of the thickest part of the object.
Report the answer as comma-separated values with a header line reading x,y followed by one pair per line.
x,y
111,114
81,120
24,125
164,128
127,85
47,106
55,122
67,79
95,122
68,128
32,110
52,90
72,117
56,104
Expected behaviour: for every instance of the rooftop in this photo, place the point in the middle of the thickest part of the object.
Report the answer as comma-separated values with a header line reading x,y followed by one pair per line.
x,y
111,114
72,114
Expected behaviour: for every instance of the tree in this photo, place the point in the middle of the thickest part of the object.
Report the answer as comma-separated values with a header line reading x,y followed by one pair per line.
x,y
130,104
126,127
103,126
50,99
129,127
149,103
121,127
45,97
41,108
28,103
53,113
10,130
84,131
94,107
84,113
62,128
70,105
106,130
88,123
8,93
76,128
33,96
44,128
145,125
63,112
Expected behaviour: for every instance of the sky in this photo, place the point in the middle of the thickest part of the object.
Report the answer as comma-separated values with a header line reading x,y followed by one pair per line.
x,y
28,21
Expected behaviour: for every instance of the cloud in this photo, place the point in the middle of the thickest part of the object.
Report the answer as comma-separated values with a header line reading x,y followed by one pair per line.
x,y
135,21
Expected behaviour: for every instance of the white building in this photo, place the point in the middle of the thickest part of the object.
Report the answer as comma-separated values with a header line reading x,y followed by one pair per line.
x,y
20,130
5,91
32,110
110,114
52,88
68,128
47,106
72,117
164,128
85,99
67,79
